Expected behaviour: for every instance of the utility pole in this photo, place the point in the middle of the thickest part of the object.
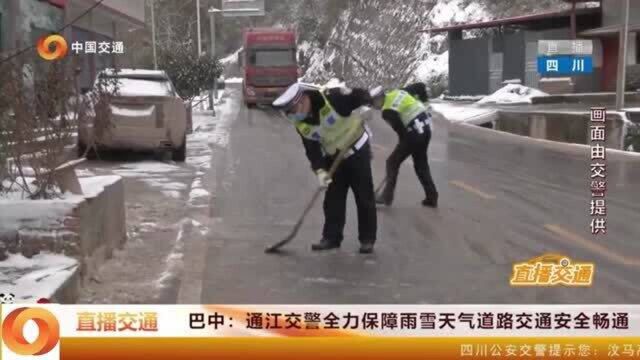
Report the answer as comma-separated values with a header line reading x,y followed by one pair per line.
x,y
213,94
199,32
622,56
153,34
14,23
212,26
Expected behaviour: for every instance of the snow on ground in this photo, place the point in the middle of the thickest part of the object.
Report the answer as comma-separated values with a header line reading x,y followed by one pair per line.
x,y
198,196
174,262
473,98
155,174
139,72
144,112
201,103
93,186
435,65
40,276
143,168
454,12
84,173
460,113
235,80
512,94
40,214
37,277
209,134
220,135
231,59
138,87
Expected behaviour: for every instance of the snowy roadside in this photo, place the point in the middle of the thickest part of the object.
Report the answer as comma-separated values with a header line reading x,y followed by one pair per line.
x,y
212,138
513,97
41,276
167,209
457,113
209,134
481,111
24,221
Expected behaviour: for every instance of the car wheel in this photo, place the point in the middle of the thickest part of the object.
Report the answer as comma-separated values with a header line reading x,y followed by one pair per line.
x,y
250,105
82,148
180,154
82,151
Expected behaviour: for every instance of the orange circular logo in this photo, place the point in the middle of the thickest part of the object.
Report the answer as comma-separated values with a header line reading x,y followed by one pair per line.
x,y
48,331
59,44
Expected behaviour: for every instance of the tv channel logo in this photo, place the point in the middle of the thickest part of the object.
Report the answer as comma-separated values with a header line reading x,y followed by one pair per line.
x,y
22,340
52,47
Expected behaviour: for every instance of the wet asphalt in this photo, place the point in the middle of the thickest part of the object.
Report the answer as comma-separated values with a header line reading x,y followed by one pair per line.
x,y
501,202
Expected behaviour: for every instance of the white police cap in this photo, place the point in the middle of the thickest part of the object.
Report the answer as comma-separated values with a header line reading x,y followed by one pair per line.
x,y
376,91
292,95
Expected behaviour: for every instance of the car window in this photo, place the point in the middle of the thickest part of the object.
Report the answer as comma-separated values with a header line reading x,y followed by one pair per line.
x,y
273,57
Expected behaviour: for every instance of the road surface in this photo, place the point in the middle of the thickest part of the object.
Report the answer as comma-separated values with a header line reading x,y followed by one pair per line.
x,y
500,204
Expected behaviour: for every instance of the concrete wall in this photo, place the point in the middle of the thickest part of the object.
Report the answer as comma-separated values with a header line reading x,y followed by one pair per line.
x,y
89,231
101,226
514,56
612,12
469,66
633,78
560,127
4,29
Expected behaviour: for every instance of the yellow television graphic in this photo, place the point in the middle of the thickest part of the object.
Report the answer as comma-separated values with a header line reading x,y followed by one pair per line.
x,y
552,270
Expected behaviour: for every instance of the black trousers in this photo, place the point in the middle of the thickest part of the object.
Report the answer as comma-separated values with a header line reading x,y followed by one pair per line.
x,y
414,145
354,173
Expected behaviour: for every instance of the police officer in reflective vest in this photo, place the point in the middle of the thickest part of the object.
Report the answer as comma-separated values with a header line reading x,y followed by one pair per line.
x,y
411,120
326,122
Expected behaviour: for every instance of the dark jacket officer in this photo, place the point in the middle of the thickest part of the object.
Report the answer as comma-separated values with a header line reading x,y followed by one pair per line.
x,y
326,121
410,118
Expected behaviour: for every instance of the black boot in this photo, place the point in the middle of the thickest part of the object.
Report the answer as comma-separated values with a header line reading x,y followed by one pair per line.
x,y
324,245
366,248
380,200
431,202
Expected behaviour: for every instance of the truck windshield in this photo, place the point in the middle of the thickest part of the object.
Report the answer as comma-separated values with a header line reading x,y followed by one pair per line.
x,y
271,57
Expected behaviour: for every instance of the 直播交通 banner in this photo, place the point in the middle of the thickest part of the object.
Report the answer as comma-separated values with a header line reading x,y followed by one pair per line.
x,y
322,331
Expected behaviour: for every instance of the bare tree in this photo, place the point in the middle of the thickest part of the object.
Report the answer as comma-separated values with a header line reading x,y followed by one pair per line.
x,y
39,115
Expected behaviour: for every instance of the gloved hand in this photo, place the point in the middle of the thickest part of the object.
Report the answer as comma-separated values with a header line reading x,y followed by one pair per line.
x,y
323,178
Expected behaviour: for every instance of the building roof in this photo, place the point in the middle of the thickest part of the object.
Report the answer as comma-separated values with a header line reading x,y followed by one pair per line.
x,y
610,30
514,20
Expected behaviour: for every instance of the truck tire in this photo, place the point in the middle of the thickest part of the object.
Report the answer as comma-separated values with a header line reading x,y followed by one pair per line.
x,y
180,154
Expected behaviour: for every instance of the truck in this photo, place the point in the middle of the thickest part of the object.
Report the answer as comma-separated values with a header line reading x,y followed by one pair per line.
x,y
268,63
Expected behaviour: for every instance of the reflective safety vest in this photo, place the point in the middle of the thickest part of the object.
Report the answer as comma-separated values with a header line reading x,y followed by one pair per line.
x,y
335,132
404,104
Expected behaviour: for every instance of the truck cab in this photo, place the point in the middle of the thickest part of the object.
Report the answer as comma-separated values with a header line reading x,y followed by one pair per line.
x,y
269,64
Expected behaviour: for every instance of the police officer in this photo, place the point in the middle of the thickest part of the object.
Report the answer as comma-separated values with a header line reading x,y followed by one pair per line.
x,y
419,91
411,120
324,119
